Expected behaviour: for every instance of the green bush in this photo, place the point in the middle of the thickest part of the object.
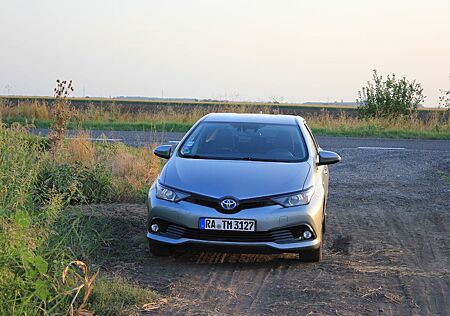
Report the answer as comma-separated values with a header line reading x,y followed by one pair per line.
x,y
31,267
40,234
97,184
78,183
390,98
19,166
36,241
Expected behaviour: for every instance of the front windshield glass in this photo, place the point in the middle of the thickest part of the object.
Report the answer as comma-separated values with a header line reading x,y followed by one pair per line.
x,y
245,141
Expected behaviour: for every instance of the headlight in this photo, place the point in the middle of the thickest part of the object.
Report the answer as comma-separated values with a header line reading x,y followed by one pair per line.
x,y
168,194
300,198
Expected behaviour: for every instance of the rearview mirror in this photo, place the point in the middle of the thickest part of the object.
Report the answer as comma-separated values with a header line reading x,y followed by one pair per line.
x,y
328,157
163,151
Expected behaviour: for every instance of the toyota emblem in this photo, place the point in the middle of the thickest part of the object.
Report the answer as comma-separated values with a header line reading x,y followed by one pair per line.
x,y
228,204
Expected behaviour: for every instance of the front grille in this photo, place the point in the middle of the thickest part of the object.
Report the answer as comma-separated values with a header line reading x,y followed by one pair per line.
x,y
242,205
280,236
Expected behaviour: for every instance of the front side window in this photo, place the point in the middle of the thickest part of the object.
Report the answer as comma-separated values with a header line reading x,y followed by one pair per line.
x,y
245,141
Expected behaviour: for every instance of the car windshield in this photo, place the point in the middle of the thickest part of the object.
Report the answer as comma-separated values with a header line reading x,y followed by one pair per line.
x,y
245,141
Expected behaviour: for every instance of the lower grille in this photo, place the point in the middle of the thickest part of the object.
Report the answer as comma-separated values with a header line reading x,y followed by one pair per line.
x,y
278,236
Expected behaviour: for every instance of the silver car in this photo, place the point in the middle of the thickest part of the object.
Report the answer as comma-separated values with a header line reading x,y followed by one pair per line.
x,y
242,183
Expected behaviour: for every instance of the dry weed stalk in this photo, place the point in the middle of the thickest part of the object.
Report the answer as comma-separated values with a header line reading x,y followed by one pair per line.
x,y
88,284
154,305
378,292
61,113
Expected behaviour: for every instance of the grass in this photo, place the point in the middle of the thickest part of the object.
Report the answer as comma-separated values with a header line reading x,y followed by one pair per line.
x,y
435,125
154,103
354,129
117,296
380,132
107,125
40,233
444,175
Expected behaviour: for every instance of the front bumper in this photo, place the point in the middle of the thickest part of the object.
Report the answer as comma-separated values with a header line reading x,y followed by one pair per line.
x,y
273,218
233,246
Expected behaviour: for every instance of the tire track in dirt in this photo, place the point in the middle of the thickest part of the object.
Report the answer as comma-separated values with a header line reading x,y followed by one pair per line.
x,y
238,279
245,285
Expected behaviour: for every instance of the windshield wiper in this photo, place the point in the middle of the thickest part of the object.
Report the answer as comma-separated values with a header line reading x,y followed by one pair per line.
x,y
266,159
194,156
257,159
246,158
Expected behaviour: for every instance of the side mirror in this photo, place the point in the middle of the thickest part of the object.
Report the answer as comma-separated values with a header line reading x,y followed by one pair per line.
x,y
163,151
173,143
328,157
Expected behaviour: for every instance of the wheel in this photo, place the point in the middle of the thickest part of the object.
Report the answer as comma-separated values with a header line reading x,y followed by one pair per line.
x,y
158,249
311,255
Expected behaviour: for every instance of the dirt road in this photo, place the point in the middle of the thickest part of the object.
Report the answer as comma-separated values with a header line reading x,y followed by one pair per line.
x,y
387,249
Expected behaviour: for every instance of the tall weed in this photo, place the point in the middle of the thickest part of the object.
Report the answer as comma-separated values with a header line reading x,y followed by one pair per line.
x,y
40,235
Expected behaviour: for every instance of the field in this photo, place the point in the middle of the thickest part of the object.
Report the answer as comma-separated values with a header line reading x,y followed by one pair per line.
x,y
170,116
387,247
136,104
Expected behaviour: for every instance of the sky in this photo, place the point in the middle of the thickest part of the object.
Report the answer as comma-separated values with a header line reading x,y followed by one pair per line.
x,y
291,51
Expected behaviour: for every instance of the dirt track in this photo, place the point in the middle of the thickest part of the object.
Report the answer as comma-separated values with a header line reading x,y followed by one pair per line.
x,y
387,250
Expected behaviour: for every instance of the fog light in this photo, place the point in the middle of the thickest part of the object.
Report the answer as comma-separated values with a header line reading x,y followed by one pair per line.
x,y
154,228
307,234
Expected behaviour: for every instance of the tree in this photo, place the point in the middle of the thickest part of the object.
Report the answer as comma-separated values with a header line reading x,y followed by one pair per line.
x,y
390,98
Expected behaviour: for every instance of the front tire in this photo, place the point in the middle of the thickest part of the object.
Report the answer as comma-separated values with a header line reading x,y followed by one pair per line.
x,y
311,255
316,254
158,249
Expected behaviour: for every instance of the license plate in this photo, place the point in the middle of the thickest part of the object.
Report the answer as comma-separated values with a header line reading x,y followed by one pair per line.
x,y
247,225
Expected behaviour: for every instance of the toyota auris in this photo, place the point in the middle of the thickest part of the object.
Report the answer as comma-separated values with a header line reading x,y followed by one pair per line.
x,y
242,183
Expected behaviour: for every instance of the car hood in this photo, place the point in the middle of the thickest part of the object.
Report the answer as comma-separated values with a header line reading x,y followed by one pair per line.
x,y
234,178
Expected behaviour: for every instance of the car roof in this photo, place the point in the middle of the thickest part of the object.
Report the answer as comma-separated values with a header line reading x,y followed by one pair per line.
x,y
251,118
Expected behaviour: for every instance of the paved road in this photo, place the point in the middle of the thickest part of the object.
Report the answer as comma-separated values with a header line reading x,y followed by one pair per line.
x,y
327,142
